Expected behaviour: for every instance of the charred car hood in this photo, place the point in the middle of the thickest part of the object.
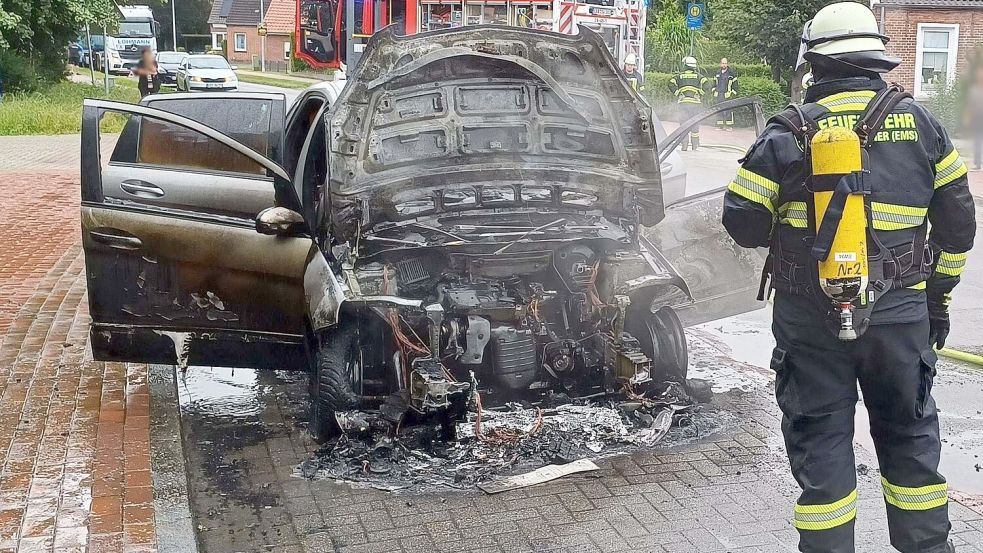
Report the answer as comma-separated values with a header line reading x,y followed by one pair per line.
x,y
490,117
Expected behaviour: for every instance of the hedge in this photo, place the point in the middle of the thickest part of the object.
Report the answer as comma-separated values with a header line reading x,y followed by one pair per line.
x,y
773,99
17,74
657,89
742,70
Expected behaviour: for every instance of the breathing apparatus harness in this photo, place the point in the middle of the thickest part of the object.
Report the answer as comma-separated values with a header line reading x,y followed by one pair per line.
x,y
847,279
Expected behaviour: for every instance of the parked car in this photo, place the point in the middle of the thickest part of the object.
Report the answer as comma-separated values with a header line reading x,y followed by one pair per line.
x,y
206,72
167,66
478,209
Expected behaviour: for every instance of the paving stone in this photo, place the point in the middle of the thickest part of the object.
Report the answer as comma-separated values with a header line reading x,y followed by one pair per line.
x,y
87,483
74,430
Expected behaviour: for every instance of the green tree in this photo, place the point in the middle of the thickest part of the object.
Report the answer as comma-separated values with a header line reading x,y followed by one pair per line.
x,y
771,29
35,33
667,39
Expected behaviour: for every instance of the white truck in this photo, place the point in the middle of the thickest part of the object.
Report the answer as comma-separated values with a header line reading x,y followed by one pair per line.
x,y
137,30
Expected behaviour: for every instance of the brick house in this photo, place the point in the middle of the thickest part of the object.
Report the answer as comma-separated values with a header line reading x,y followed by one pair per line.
x,y
216,22
242,38
935,39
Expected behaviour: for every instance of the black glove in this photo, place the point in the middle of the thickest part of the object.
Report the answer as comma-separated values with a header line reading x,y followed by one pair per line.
x,y
938,320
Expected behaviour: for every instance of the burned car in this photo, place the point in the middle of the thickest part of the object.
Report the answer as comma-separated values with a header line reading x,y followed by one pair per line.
x,y
477,215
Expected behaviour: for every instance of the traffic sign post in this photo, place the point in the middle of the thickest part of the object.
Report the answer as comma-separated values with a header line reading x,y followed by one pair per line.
x,y
694,21
694,15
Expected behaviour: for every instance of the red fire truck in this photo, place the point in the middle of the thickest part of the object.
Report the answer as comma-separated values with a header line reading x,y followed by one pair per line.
x,y
323,39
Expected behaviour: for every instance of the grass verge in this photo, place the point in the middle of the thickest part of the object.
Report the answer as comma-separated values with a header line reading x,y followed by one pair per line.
x,y
58,110
273,81
118,80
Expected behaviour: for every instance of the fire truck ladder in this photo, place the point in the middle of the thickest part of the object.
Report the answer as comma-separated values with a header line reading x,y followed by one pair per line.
x,y
635,12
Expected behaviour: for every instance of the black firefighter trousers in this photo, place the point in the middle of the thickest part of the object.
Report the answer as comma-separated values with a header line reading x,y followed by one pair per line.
x,y
816,388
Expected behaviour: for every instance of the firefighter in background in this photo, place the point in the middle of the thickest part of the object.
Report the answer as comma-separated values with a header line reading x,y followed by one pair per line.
x,y
725,88
630,68
689,88
918,227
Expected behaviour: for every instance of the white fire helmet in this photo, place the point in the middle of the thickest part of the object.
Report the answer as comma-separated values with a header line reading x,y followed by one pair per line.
x,y
841,28
631,59
689,61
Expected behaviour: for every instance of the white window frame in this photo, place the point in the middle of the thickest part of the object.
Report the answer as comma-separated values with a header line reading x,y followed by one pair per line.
x,y
952,51
217,38
286,50
235,42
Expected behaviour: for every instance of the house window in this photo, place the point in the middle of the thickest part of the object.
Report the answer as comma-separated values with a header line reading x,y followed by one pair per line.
x,y
286,49
935,56
240,42
217,39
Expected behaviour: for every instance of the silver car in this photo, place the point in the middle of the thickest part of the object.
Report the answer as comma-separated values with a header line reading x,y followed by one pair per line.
x,y
204,72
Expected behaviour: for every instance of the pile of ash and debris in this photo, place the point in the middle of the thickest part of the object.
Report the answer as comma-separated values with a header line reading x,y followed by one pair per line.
x,y
492,442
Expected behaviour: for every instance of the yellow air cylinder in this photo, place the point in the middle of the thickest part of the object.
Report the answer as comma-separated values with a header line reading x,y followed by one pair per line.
x,y
843,275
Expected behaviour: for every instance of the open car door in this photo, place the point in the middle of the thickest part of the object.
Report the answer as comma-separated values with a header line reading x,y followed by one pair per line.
x,y
253,119
190,281
719,278
256,119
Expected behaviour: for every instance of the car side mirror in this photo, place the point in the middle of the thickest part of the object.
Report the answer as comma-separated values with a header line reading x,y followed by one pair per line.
x,y
234,67
280,221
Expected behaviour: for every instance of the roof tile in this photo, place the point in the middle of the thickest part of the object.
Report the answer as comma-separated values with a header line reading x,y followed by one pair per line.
x,y
215,15
244,12
281,16
970,4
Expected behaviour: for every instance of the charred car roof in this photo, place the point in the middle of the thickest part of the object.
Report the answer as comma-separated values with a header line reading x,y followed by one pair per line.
x,y
435,121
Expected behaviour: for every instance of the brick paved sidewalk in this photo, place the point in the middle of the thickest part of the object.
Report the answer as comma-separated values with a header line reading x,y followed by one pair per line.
x,y
730,492
74,433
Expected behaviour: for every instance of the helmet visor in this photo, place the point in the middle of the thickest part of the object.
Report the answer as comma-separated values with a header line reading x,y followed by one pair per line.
x,y
803,45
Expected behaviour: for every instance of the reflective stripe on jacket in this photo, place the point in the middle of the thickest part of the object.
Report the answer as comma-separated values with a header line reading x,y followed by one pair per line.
x,y
688,87
914,173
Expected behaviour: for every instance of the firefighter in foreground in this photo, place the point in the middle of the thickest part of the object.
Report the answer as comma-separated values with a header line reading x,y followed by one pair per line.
x,y
689,87
630,67
843,189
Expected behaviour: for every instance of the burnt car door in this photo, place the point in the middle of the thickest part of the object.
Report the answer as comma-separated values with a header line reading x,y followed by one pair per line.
x,y
209,280
717,278
255,120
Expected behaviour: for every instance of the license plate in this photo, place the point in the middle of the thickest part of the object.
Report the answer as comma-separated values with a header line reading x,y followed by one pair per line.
x,y
214,85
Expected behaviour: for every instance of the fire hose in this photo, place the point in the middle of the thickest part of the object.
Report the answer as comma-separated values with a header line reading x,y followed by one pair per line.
x,y
971,358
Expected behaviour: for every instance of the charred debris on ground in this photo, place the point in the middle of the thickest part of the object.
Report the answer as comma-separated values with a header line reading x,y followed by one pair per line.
x,y
376,450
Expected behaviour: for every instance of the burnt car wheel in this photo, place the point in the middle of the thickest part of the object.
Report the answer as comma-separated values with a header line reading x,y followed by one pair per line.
x,y
337,378
661,337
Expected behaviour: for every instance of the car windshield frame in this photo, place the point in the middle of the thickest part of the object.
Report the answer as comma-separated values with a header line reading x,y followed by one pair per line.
x,y
195,63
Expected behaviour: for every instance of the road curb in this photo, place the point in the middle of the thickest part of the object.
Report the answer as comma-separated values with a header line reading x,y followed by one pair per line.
x,y
173,521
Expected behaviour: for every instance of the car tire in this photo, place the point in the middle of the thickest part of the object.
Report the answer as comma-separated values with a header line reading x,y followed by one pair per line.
x,y
334,375
661,337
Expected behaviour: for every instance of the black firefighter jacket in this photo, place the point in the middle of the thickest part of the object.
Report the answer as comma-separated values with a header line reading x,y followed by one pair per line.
x,y
915,174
